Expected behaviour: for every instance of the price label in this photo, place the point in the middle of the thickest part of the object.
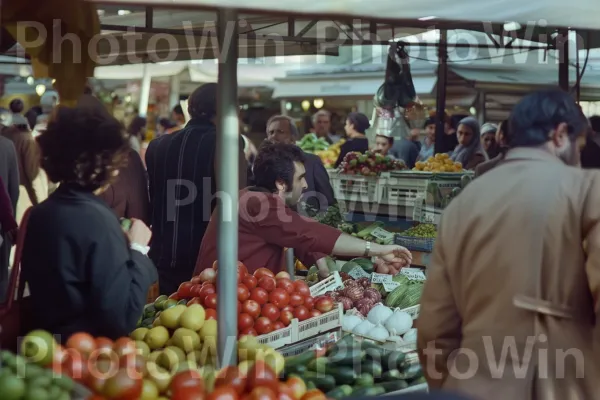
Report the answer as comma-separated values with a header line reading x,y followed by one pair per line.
x,y
382,234
390,286
380,278
428,217
413,274
358,273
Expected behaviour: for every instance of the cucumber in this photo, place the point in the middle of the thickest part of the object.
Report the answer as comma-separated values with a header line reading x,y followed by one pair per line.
x,y
368,391
318,364
342,375
391,375
371,367
321,381
295,370
300,359
346,356
364,380
393,360
310,385
412,372
339,392
393,386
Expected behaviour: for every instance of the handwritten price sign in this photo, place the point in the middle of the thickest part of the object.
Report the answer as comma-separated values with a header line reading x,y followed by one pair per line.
x,y
413,274
380,278
390,286
358,273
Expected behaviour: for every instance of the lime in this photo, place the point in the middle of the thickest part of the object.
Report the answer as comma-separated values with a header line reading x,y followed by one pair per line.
x,y
40,381
36,393
54,392
38,346
64,382
11,387
33,371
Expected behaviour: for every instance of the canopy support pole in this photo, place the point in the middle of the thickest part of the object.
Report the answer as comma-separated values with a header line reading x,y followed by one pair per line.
x,y
562,43
145,91
228,137
442,74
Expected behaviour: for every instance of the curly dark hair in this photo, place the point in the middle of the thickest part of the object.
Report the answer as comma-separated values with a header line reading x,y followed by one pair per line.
x,y
275,162
16,106
83,145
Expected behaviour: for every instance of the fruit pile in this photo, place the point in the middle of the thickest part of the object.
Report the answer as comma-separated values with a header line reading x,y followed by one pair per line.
x,y
330,156
369,164
266,302
441,162
421,231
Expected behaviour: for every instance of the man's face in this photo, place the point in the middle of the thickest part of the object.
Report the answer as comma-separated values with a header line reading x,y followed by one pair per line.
x,y
488,140
430,132
464,135
382,145
323,125
293,194
569,151
280,132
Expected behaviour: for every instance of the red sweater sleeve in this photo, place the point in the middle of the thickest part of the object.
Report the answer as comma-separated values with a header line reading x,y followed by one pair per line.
x,y
7,220
279,225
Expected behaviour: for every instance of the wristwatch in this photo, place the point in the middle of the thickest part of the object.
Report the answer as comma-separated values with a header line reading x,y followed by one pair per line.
x,y
367,249
138,247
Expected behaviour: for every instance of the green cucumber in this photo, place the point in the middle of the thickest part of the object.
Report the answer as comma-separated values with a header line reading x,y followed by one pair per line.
x,y
321,381
393,386
391,375
300,359
393,360
318,364
364,380
371,367
368,391
365,264
294,370
346,356
412,372
342,375
339,392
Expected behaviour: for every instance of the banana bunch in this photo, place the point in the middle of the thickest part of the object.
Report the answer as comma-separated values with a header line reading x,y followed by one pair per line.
x,y
330,156
70,64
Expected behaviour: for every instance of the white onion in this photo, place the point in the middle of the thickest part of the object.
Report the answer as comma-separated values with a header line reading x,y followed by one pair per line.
x,y
379,333
411,335
363,328
208,275
379,314
349,322
399,323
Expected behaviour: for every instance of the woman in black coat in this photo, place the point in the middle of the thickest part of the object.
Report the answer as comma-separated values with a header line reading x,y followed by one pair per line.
x,y
84,273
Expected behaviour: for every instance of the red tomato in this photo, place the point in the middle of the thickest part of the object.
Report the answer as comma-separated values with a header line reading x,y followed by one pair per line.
x,y
309,302
188,393
123,346
185,289
207,288
297,385
104,343
263,325
314,313
242,270
314,394
187,379
250,282
239,307
286,317
301,313
59,357
250,331
288,308
284,392
251,308
285,284
262,375
270,311
196,289
195,300
259,273
282,274
296,299
324,304
82,342
231,376
210,313
210,301
260,295
267,283
135,365
75,366
174,296
277,325
302,288
223,393
196,280
262,393
242,292
279,297
245,321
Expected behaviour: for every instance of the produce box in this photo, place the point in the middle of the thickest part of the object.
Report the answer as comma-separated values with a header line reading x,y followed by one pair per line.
x,y
332,282
425,213
313,343
422,387
388,344
280,337
357,188
322,323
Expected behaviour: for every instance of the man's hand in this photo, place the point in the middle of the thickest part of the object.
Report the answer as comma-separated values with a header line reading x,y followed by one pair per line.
x,y
323,269
395,254
139,233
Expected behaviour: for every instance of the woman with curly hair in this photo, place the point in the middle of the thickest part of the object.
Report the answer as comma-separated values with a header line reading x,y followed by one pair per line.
x,y
84,273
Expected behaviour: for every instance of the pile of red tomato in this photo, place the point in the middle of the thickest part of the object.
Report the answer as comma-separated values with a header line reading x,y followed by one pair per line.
x,y
266,302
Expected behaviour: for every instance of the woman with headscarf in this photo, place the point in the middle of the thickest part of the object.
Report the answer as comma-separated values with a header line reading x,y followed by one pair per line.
x,y
502,143
488,139
136,130
469,151
356,126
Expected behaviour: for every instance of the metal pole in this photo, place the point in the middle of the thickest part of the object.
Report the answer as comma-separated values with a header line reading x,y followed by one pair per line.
x,y
442,74
562,43
290,263
145,91
227,185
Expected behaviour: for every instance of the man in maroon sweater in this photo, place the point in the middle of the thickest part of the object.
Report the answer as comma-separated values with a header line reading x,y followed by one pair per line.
x,y
267,224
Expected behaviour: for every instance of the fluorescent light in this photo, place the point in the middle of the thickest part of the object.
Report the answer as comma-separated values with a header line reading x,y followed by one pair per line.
x,y
100,12
123,12
427,18
512,26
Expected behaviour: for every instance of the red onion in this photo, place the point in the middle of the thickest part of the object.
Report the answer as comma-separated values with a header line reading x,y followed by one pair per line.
x,y
364,282
364,308
346,302
373,294
354,293
344,276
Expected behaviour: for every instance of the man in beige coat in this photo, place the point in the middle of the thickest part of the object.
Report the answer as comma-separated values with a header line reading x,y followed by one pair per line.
x,y
510,303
